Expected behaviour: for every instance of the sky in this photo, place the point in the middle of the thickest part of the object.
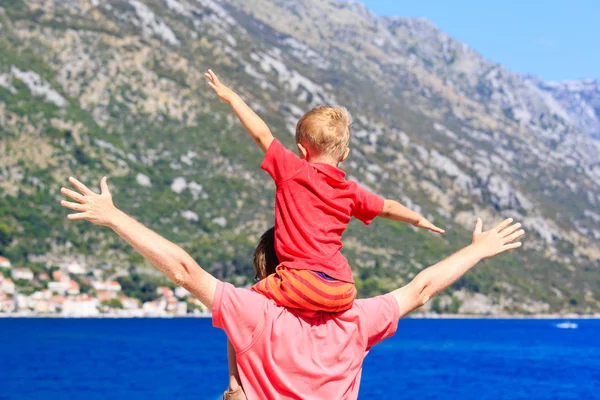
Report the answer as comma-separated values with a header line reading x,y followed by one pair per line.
x,y
555,40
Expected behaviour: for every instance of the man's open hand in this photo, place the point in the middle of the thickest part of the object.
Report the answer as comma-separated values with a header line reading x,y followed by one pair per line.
x,y
222,91
96,208
497,240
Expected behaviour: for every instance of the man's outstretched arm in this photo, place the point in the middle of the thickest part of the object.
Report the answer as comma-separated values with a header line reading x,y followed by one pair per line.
x,y
169,258
431,281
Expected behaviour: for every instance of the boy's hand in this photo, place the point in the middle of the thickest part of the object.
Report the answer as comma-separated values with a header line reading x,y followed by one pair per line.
x,y
223,92
426,224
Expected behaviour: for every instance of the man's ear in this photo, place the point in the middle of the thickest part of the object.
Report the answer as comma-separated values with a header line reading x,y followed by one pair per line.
x,y
302,150
345,154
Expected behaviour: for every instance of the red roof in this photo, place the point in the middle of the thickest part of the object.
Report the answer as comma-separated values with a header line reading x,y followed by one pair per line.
x,y
104,295
4,259
84,299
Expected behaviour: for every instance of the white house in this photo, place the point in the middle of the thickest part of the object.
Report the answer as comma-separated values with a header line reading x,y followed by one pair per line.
x,y
22,273
43,306
73,287
75,268
113,286
129,303
110,286
99,286
43,294
7,305
181,292
181,308
171,303
80,307
155,307
8,286
58,287
24,302
4,262
164,291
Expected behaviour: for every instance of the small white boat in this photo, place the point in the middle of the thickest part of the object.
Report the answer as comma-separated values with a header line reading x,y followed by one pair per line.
x,y
567,325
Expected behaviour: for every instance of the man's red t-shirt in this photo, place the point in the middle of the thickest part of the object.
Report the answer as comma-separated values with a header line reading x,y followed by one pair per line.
x,y
282,354
313,206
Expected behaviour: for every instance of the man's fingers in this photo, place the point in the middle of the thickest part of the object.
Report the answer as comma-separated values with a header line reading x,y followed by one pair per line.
x,y
72,206
514,236
80,186
212,85
73,195
511,229
478,226
511,246
74,217
503,224
104,186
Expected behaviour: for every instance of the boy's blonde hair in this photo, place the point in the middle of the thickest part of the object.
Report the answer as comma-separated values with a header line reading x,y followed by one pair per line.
x,y
326,130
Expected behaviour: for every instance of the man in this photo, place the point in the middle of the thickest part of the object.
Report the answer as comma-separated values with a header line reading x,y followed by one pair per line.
x,y
282,354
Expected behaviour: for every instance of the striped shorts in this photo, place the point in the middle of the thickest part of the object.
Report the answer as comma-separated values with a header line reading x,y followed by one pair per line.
x,y
306,290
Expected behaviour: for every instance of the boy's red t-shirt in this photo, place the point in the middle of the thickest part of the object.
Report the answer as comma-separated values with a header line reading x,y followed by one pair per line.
x,y
313,206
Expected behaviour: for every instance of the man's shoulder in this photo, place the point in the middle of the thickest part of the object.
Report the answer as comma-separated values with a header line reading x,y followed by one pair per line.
x,y
384,300
230,300
241,313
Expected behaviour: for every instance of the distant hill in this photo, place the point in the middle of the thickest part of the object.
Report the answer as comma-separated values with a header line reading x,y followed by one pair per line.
x,y
94,87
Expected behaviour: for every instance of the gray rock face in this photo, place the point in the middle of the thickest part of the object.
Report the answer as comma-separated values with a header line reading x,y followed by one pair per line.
x,y
116,87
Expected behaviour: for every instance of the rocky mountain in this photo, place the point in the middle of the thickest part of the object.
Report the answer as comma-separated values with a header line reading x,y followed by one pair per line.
x,y
116,87
579,100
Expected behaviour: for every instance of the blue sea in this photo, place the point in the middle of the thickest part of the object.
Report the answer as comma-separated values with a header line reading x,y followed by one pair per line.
x,y
185,359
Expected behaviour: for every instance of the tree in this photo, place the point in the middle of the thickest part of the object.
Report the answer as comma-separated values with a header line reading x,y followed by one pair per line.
x,y
5,237
113,303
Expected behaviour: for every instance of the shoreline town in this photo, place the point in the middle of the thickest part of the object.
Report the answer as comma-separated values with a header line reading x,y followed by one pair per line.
x,y
71,291
59,295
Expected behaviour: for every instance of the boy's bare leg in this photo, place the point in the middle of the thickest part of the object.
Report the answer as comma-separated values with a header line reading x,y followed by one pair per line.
x,y
235,391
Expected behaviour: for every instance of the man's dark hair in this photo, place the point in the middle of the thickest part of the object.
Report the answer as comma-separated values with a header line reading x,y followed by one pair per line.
x,y
265,259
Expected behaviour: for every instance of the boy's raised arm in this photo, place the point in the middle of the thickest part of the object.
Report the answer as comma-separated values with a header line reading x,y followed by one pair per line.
x,y
255,126
397,212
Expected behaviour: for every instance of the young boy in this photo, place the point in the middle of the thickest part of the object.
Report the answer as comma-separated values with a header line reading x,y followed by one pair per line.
x,y
313,206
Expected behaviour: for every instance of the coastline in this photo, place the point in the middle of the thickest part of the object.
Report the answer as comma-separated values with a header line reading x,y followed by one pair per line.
x,y
103,316
415,316
507,316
